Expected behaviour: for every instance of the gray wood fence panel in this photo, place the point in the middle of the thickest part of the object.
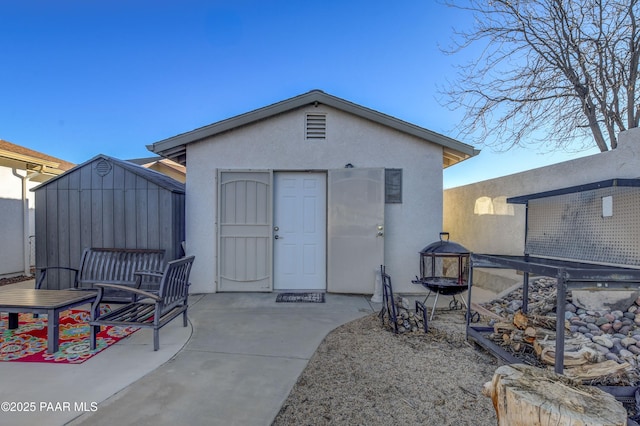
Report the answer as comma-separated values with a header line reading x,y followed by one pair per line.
x,y
63,234
41,228
119,210
130,210
153,208
108,223
141,208
179,221
75,220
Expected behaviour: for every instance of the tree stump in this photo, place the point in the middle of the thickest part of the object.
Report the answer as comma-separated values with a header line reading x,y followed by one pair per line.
x,y
525,396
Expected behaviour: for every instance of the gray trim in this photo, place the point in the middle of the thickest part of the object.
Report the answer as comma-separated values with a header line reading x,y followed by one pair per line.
x,y
524,199
175,147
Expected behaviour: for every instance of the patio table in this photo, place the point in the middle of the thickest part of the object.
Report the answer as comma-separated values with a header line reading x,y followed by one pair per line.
x,y
50,302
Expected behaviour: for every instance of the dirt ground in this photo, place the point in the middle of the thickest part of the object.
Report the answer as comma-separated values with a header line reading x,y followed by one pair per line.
x,y
363,374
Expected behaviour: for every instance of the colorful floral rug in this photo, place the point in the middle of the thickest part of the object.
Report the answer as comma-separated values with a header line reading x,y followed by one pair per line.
x,y
28,342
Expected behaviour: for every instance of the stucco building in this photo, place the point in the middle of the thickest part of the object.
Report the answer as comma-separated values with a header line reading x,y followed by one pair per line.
x,y
313,192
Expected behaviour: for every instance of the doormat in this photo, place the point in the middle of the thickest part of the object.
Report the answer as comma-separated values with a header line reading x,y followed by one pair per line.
x,y
28,342
300,297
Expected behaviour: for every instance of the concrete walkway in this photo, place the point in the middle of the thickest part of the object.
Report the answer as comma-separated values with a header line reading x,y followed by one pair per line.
x,y
234,365
245,355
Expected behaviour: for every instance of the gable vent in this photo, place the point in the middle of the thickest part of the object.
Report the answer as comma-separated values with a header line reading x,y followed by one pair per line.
x,y
316,126
103,168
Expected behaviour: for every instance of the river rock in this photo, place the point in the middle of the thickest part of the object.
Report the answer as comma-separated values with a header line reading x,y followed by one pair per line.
x,y
603,340
606,327
611,356
625,354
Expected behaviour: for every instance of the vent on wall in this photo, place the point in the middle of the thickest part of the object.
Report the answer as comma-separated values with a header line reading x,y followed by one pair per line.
x,y
316,126
103,168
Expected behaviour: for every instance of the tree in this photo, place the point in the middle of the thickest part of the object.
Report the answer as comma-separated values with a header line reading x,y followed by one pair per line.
x,y
551,72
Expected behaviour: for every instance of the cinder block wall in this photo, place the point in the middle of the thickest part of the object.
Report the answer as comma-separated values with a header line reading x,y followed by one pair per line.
x,y
478,217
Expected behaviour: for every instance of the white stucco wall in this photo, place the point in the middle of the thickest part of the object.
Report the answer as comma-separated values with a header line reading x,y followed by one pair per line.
x,y
502,231
279,144
11,215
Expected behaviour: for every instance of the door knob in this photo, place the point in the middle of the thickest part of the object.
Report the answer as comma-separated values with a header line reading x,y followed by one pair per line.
x,y
277,237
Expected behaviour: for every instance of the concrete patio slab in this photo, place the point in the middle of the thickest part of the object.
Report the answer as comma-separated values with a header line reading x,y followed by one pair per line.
x,y
234,365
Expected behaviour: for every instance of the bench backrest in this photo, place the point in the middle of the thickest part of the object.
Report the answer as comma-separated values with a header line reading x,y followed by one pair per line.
x,y
117,266
174,287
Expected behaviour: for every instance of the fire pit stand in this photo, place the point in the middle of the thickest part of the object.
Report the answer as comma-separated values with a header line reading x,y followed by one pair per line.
x,y
444,270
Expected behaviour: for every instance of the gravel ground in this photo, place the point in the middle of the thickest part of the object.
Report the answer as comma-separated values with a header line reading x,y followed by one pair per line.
x,y
13,280
363,374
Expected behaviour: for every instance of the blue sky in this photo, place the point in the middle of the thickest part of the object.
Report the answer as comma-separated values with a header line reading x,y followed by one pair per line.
x,y
80,78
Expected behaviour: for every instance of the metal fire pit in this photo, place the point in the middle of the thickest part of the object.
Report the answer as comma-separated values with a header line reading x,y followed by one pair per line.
x,y
444,270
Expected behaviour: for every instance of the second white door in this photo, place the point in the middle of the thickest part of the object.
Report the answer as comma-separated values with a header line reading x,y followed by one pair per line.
x,y
299,231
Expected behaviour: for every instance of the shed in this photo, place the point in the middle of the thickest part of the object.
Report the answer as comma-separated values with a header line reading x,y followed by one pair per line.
x,y
106,203
311,193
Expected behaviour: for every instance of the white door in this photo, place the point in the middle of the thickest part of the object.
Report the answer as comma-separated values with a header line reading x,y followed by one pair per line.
x,y
299,231
244,231
355,229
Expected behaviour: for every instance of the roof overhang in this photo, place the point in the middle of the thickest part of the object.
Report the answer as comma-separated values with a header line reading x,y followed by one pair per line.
x,y
175,148
41,169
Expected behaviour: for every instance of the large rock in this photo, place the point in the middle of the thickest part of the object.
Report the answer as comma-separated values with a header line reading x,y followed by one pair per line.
x,y
605,300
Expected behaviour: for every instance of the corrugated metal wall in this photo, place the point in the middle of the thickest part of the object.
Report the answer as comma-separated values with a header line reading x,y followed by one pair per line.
x,y
102,204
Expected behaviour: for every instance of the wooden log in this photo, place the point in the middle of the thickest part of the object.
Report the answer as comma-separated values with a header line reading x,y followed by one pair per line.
x,y
520,320
523,395
485,312
570,359
578,350
589,372
503,327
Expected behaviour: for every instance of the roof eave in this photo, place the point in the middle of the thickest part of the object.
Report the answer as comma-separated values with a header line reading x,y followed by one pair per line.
x,y
174,148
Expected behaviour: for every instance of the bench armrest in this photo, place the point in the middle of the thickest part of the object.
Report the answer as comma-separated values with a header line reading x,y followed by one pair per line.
x,y
136,291
140,275
43,275
157,274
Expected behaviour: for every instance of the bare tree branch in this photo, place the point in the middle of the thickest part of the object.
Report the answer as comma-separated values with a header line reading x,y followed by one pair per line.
x,y
564,69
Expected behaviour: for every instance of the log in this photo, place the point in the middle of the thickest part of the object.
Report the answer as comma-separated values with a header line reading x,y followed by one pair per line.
x,y
503,327
485,312
570,359
520,320
524,395
586,373
577,351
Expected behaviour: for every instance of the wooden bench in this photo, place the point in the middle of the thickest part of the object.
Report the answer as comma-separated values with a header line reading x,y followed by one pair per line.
x,y
113,266
153,310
